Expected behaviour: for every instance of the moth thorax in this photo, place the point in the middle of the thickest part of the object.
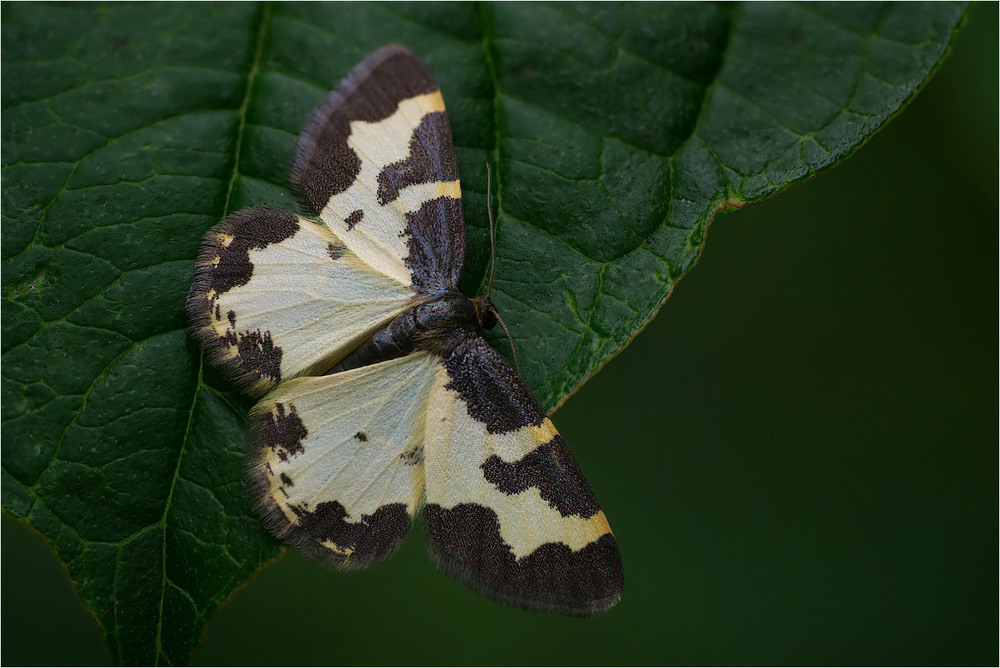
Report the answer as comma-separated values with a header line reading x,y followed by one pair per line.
x,y
450,311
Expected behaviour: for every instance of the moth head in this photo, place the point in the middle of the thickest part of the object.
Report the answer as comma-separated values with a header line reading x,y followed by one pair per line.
x,y
488,318
486,312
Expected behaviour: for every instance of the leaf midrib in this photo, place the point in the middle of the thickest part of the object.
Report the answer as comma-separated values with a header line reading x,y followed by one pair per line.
x,y
264,23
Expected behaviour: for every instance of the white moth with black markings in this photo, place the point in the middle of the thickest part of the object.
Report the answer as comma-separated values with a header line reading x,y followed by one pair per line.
x,y
382,396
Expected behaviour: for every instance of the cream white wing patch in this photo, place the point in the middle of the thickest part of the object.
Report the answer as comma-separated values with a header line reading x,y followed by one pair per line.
x,y
371,216
276,296
499,476
508,511
337,461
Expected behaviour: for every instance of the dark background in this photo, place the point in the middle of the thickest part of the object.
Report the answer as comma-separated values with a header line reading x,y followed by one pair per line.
x,y
798,456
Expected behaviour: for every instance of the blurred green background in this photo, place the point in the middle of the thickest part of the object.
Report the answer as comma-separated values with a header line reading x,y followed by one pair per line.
x,y
798,456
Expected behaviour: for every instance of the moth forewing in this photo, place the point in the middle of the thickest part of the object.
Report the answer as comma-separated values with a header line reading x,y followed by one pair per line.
x,y
377,164
276,296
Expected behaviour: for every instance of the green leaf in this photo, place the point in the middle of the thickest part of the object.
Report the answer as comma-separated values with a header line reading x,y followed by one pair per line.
x,y
617,132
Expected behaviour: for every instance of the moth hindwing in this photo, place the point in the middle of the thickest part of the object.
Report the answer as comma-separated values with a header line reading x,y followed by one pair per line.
x,y
381,394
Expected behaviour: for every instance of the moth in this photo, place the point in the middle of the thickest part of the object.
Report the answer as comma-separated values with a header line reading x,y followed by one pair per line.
x,y
382,397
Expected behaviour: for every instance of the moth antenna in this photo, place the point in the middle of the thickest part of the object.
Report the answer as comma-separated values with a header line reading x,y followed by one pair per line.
x,y
489,214
510,340
493,262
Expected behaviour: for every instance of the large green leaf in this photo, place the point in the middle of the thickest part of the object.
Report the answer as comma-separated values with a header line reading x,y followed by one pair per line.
x,y
617,132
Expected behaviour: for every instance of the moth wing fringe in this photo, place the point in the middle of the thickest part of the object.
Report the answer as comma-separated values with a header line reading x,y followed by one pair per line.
x,y
320,117
453,568
199,307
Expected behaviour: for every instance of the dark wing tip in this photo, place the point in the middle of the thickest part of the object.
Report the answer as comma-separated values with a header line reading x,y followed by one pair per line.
x,y
365,545
200,306
464,543
600,601
308,167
